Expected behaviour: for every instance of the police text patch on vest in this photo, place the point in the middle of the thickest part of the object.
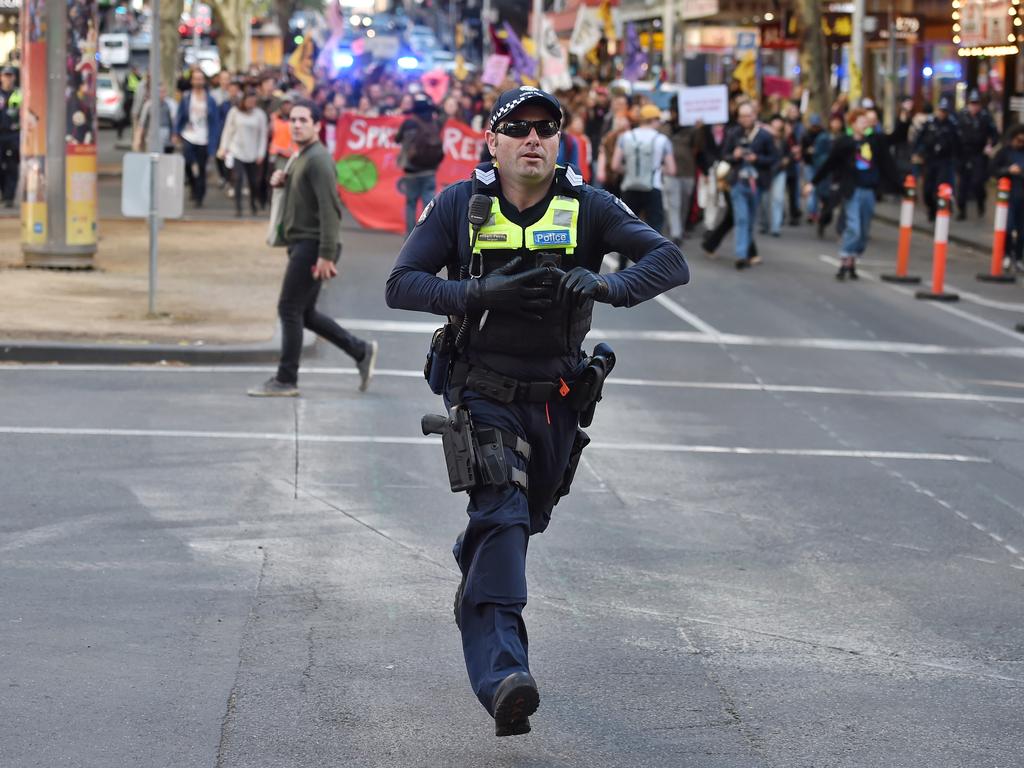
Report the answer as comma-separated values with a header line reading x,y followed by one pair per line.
x,y
552,237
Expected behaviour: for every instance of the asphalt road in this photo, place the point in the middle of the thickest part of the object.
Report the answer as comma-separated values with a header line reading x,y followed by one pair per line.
x,y
797,540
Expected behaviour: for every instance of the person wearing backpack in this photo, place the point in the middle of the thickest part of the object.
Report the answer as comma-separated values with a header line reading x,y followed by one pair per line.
x,y
642,155
421,154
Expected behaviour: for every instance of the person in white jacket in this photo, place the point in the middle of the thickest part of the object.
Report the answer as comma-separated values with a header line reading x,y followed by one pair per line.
x,y
243,147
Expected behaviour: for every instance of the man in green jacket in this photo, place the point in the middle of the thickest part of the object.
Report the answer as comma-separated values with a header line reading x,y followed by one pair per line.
x,y
310,227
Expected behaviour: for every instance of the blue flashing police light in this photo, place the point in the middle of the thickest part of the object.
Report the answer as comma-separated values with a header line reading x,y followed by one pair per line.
x,y
342,60
407,62
927,72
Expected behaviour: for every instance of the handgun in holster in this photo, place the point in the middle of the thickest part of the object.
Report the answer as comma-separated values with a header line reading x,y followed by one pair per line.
x,y
459,444
587,389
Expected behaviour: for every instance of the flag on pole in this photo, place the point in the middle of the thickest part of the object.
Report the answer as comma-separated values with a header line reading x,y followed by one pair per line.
x,y
587,31
301,62
636,59
554,59
523,65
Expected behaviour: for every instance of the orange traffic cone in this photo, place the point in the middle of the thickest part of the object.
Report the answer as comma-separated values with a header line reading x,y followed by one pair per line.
x,y
995,273
939,253
906,227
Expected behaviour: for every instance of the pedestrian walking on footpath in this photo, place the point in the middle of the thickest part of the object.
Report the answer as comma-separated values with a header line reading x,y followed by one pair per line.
x,y
750,152
311,228
860,163
10,135
421,153
197,129
1009,162
243,148
522,242
978,136
937,150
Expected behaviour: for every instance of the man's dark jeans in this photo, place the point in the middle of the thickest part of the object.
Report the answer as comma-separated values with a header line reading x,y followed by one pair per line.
x,y
195,169
297,309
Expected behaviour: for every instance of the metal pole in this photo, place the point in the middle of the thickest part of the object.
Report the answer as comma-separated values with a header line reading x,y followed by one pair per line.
x,y
538,25
890,80
668,25
155,149
857,44
485,26
56,122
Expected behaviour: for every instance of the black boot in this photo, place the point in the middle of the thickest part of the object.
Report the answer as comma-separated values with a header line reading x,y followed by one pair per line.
x,y
515,700
841,274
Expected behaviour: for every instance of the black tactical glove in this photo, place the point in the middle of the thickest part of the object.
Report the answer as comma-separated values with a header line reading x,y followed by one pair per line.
x,y
580,284
527,293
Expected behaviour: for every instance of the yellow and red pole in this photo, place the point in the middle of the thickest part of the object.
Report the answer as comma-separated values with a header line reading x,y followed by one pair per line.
x,y
939,253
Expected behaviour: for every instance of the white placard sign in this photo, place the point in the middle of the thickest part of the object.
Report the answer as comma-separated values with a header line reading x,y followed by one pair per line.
x,y
707,103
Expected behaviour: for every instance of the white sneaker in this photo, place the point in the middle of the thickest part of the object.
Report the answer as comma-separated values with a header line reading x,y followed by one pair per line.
x,y
366,366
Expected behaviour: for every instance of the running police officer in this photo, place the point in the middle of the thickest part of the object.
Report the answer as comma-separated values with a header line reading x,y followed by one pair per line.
x,y
522,241
978,136
10,135
937,147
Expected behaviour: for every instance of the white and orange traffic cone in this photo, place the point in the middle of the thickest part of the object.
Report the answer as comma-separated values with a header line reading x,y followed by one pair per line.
x,y
995,273
939,253
906,227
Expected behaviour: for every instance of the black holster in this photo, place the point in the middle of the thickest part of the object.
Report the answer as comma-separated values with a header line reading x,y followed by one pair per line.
x,y
588,388
476,457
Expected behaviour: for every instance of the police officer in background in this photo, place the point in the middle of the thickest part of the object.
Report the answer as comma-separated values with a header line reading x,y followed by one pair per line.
x,y
978,136
10,135
937,148
522,242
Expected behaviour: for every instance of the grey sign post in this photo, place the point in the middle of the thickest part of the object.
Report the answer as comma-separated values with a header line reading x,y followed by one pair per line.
x,y
155,148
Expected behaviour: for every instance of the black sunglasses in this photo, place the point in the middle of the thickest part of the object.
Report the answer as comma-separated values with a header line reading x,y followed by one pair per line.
x,y
520,129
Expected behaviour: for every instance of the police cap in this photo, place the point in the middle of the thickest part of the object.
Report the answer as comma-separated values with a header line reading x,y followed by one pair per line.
x,y
524,94
974,97
943,104
8,70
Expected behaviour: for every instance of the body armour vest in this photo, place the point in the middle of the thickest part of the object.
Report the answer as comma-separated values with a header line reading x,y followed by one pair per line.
x,y
552,240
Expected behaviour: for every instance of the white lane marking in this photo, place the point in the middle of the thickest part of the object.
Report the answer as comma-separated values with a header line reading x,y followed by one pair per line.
x,y
975,298
937,304
966,518
999,383
403,440
675,307
737,340
717,386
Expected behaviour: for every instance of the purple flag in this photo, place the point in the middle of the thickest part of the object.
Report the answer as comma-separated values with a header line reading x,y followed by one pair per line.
x,y
636,59
523,64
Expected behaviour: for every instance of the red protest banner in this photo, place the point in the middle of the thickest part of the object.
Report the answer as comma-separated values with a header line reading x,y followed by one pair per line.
x,y
367,170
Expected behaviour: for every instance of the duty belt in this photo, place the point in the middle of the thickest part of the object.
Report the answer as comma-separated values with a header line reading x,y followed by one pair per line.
x,y
505,389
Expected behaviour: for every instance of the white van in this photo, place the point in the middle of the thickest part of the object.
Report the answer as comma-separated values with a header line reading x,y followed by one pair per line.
x,y
115,49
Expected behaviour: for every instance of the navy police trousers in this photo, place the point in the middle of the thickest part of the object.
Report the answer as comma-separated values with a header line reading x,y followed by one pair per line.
x,y
491,553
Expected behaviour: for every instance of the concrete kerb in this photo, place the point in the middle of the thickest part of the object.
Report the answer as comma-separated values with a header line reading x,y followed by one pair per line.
x,y
971,241
195,353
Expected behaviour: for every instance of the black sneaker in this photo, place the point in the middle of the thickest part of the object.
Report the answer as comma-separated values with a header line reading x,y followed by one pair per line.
x,y
852,270
841,274
274,388
515,700
366,365
742,263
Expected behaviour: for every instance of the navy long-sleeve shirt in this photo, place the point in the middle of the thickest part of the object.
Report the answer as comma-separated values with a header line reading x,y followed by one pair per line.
x,y
605,225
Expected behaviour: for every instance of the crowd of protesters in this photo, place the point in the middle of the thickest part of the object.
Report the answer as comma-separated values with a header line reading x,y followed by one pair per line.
x,y
769,167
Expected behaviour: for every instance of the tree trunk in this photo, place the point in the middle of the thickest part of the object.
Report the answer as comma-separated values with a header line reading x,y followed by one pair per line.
x,y
812,58
231,17
170,40
284,10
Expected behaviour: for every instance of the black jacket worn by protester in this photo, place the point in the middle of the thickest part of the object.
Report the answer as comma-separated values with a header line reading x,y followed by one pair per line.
x,y
842,163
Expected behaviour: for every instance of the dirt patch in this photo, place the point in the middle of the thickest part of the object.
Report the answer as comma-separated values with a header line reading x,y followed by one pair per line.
x,y
218,283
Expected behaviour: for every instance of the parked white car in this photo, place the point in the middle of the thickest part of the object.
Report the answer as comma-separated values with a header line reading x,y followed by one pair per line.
x,y
109,98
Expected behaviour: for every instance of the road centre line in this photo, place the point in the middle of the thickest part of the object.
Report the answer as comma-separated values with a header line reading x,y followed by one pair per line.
x,y
403,440
733,339
937,304
723,386
674,307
